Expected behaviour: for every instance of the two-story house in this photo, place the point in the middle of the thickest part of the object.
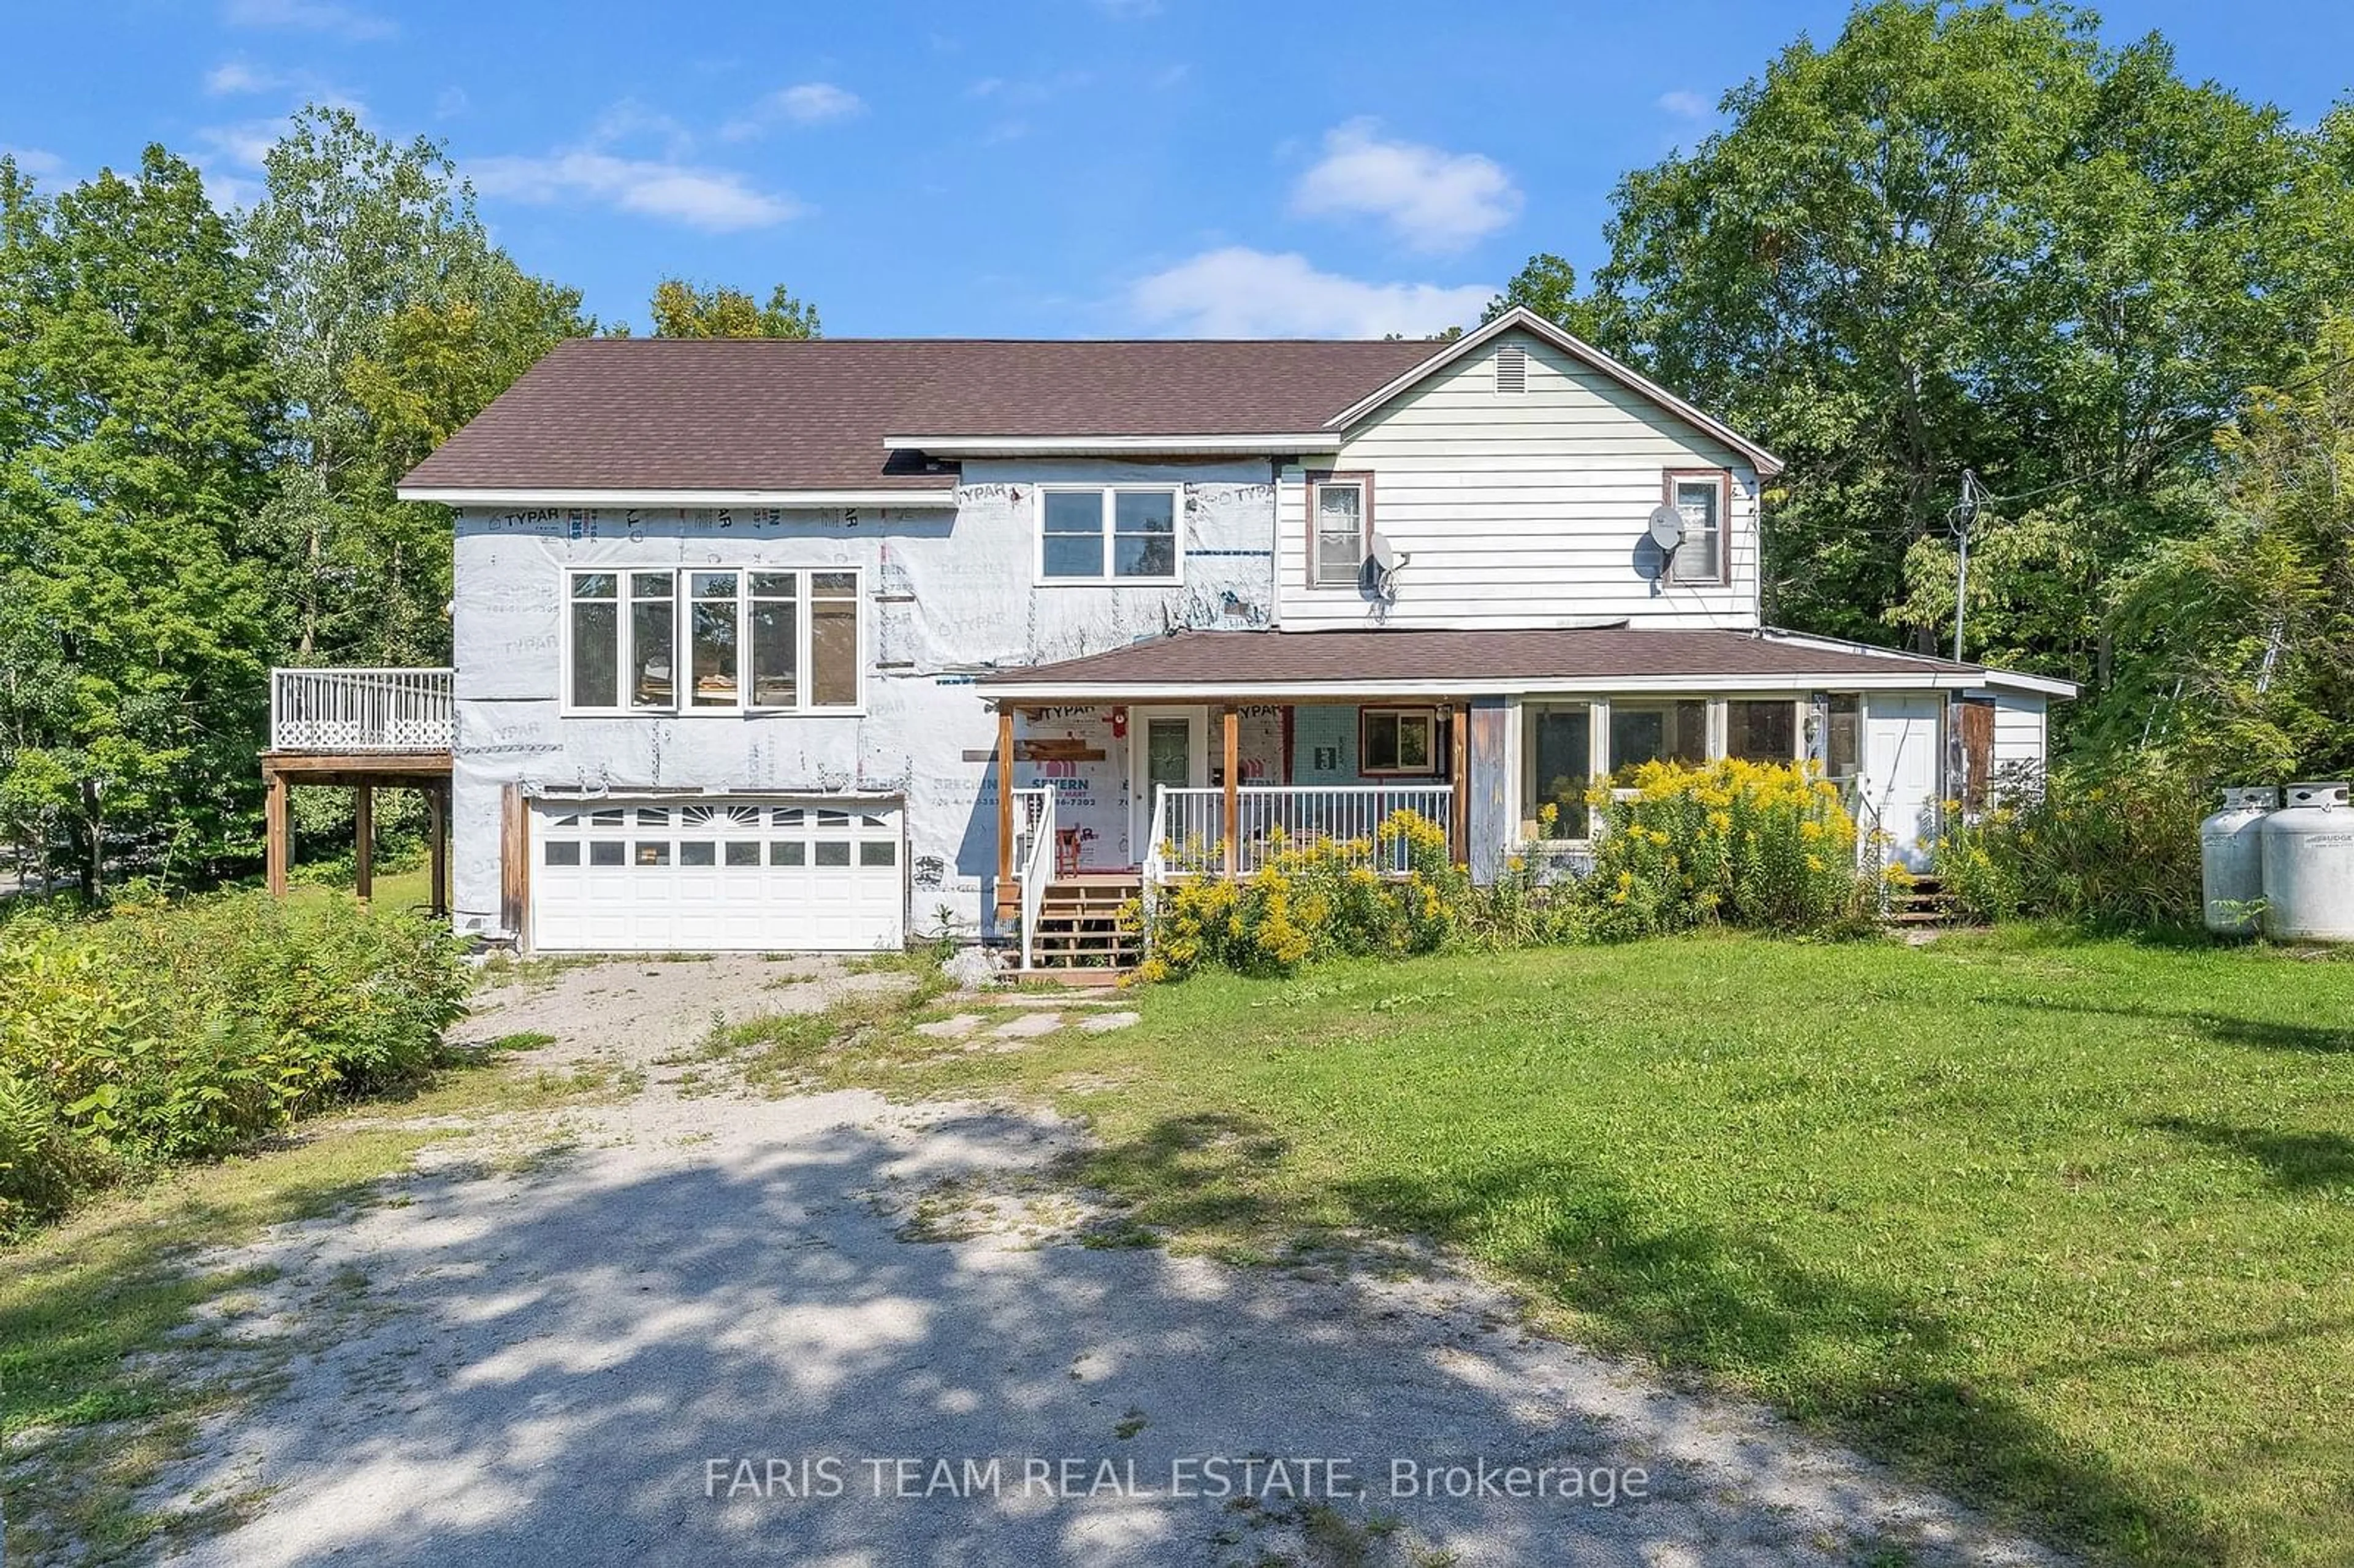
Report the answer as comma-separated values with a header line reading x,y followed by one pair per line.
x,y
780,645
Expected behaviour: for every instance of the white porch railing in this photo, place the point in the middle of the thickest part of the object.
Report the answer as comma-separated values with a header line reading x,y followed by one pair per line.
x,y
1189,825
359,710
1033,852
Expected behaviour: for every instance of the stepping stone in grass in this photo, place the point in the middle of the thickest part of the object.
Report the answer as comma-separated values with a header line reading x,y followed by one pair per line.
x,y
1028,1025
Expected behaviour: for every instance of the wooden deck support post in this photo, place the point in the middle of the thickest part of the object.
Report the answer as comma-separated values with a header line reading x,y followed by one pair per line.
x,y
364,841
1459,764
437,848
1230,720
277,843
1004,801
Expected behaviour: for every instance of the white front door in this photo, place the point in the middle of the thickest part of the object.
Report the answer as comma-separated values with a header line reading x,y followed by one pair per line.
x,y
1167,747
784,875
1903,743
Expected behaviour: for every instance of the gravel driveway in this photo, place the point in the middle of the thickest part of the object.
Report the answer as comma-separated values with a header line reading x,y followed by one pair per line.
x,y
828,1329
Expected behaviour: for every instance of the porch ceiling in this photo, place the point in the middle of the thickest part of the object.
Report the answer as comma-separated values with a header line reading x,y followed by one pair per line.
x,y
1452,663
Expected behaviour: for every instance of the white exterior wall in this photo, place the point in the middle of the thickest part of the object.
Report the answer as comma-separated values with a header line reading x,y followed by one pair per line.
x,y
1523,509
2018,731
946,596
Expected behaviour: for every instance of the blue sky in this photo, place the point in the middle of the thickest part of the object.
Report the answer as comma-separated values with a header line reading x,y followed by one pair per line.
x,y
1021,168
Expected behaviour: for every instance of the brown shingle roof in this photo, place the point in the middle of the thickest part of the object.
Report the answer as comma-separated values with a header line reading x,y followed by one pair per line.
x,y
1295,660
735,415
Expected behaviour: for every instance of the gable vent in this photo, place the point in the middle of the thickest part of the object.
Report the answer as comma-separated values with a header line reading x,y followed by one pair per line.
x,y
1511,369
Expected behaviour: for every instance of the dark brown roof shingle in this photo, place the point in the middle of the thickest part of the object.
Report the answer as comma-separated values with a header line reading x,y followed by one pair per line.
x,y
754,414
1295,660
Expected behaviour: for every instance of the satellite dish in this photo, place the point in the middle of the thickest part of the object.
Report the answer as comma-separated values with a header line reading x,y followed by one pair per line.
x,y
1378,574
1667,528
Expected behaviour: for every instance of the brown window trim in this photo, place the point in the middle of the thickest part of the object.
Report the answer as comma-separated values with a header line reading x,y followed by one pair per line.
x,y
1363,479
1438,743
1668,479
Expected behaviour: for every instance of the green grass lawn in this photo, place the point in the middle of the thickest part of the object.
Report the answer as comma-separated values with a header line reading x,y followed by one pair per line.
x,y
2067,1228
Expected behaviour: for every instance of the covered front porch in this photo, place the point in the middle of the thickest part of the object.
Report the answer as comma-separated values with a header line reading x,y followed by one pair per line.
x,y
1100,803
1199,754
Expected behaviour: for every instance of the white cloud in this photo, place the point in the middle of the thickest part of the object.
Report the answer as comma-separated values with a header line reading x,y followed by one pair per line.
x,y
1686,104
233,76
328,16
1239,293
452,102
246,144
1029,91
718,200
1433,199
630,120
35,163
230,157
804,103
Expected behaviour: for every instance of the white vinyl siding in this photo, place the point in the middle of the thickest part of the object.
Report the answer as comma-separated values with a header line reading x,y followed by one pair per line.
x,y
2019,733
1525,510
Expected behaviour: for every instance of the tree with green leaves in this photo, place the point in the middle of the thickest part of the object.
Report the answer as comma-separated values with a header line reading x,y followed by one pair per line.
x,y
392,320
2246,627
682,310
137,404
1971,237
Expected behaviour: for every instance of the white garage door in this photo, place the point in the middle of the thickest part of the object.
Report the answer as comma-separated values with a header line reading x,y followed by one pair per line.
x,y
781,875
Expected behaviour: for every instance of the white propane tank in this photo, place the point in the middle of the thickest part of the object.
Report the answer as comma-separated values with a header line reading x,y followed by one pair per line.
x,y
2309,866
2231,860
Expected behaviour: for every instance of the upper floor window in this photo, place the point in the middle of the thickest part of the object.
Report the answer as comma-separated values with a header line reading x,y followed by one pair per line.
x,y
1107,533
749,639
1340,514
1702,496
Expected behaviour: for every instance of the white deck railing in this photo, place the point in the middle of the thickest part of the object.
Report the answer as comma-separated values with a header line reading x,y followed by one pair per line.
x,y
359,710
1034,847
1189,829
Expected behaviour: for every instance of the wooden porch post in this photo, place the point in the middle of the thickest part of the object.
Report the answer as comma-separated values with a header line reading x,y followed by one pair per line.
x,y
363,841
514,866
437,847
1004,798
1230,719
276,846
1459,766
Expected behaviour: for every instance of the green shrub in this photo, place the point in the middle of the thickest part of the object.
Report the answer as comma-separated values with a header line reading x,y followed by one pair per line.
x,y
2113,844
1740,843
182,1031
1313,899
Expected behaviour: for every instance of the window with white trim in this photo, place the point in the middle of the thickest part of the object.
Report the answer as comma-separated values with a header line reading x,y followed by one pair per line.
x,y
1702,500
1097,534
1340,512
750,639
1557,760
1762,730
1397,740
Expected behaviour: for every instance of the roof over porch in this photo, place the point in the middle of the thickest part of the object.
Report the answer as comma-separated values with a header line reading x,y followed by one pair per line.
x,y
1383,661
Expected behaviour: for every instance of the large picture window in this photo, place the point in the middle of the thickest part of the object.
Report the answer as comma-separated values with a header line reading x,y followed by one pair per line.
x,y
746,641
1116,534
